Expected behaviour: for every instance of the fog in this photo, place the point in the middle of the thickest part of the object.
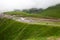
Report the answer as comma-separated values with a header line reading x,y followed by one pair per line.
x,y
9,5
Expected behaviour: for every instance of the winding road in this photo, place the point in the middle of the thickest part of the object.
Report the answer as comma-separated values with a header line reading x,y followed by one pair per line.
x,y
32,20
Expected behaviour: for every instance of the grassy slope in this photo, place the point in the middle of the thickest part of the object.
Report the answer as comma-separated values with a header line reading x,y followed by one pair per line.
x,y
13,30
53,12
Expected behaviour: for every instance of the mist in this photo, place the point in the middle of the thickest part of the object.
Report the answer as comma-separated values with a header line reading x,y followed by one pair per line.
x,y
9,5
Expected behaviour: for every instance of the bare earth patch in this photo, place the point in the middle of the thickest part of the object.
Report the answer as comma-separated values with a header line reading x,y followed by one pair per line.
x,y
53,38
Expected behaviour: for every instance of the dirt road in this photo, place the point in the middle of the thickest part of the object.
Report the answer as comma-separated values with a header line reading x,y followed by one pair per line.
x,y
43,21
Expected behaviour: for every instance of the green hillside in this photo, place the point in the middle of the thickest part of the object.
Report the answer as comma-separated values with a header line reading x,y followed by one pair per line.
x,y
51,12
13,30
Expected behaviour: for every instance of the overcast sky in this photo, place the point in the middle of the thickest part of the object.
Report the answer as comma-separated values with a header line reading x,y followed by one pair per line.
x,y
26,4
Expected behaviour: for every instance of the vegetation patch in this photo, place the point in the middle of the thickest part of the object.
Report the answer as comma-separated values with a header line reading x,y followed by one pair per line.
x,y
13,30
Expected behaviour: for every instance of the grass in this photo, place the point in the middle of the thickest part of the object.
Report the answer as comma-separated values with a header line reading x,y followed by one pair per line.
x,y
13,30
21,14
51,13
49,23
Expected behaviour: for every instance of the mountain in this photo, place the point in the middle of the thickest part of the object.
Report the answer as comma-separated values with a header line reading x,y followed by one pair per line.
x,y
50,12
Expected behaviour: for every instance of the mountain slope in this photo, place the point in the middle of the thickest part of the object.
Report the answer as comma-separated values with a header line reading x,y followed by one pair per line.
x,y
51,12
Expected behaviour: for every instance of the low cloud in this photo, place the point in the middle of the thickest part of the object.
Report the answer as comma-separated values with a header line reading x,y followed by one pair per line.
x,y
6,5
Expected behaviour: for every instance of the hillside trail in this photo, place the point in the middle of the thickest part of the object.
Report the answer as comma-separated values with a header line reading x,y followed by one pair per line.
x,y
34,20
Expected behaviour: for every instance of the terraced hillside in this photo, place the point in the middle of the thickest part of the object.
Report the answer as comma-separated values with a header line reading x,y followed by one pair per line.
x,y
13,30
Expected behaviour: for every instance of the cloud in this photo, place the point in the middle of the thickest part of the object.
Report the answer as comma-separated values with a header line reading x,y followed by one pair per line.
x,y
25,4
46,3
